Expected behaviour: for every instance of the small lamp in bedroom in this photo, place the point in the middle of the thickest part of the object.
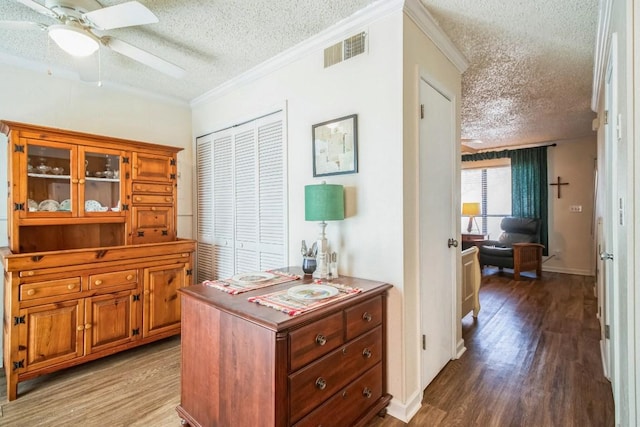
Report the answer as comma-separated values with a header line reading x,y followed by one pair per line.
x,y
471,210
323,202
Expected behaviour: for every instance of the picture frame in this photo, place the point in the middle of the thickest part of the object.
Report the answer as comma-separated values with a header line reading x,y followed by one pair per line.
x,y
335,146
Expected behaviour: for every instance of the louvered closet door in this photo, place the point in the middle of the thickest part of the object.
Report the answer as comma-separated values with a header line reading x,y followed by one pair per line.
x,y
241,199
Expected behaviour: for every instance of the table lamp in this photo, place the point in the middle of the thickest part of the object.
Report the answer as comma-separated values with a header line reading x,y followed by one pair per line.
x,y
471,210
323,202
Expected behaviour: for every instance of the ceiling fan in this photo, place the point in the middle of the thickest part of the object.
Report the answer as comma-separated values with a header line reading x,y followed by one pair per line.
x,y
81,21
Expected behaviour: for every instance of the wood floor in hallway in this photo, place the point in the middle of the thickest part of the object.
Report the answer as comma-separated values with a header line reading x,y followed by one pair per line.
x,y
532,359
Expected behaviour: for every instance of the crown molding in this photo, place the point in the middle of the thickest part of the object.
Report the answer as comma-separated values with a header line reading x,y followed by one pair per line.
x,y
601,52
66,74
355,22
419,14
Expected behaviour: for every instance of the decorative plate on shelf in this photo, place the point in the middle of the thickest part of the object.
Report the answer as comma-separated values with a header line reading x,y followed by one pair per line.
x,y
92,206
65,205
257,277
32,205
48,206
312,292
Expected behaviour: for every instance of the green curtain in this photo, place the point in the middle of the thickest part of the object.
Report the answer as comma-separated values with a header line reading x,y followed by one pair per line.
x,y
529,187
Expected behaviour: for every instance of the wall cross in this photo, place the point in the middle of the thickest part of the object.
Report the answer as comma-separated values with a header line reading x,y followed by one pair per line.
x,y
559,183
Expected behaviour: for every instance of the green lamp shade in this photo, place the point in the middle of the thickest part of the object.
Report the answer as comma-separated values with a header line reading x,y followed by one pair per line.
x,y
323,202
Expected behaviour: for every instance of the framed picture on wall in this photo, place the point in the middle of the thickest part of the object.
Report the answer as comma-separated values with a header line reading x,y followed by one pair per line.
x,y
335,146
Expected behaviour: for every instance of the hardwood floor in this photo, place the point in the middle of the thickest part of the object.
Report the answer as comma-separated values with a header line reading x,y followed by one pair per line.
x,y
532,359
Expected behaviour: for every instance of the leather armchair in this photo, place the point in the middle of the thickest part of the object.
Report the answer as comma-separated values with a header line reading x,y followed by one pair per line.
x,y
518,247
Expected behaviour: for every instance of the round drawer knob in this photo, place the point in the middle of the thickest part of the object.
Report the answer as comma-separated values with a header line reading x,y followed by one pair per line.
x,y
153,208
344,394
74,181
138,187
168,199
321,339
366,317
80,327
130,277
366,353
87,326
98,282
30,273
31,292
138,199
367,392
81,181
167,188
321,384
71,286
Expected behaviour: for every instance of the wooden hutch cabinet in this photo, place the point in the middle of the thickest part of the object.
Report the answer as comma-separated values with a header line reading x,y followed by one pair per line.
x,y
93,265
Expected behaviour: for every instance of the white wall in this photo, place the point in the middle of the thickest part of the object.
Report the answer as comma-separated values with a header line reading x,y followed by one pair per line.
x,y
36,98
572,233
369,240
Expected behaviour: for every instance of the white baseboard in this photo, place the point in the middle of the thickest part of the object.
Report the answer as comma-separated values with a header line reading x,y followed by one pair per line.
x,y
565,270
460,349
605,368
404,412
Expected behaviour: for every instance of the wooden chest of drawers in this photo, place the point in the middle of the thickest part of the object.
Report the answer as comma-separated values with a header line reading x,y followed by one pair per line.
x,y
246,364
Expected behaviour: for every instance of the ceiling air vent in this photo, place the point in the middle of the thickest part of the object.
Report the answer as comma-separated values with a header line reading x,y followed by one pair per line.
x,y
348,48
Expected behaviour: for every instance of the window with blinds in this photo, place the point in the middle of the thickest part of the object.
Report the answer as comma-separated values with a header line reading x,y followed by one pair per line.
x,y
241,199
491,187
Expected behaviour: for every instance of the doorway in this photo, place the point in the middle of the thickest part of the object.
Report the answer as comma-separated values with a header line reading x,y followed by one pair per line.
x,y
437,224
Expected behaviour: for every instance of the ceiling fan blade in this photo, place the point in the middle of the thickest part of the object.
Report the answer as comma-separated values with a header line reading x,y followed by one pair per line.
x,y
22,25
121,15
38,8
143,57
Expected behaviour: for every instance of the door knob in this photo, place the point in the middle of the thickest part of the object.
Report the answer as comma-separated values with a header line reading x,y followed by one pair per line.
x,y
605,256
452,242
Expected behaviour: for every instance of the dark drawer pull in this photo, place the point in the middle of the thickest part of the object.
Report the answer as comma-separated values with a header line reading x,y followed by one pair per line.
x,y
321,384
366,317
366,353
321,339
367,392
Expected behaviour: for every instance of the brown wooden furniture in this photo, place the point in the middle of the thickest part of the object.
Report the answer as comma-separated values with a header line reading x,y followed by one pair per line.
x,y
469,240
93,264
244,364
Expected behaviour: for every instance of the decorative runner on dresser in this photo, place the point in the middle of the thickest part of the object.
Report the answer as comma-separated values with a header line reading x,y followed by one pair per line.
x,y
284,301
249,281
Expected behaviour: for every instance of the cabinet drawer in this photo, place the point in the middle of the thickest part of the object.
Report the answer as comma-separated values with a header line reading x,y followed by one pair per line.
x,y
145,187
314,384
152,199
50,288
349,403
314,340
152,224
363,317
127,279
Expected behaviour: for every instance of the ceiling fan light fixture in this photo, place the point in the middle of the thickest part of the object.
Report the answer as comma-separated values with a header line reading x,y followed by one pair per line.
x,y
74,41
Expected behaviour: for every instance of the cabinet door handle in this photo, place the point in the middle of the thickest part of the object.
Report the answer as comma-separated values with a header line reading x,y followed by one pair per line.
x,y
87,326
367,392
98,282
146,292
80,327
366,353
321,384
31,292
321,339
81,181
74,181
366,317
71,286
130,277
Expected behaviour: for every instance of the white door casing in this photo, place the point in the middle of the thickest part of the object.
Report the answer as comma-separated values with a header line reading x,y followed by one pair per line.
x,y
437,216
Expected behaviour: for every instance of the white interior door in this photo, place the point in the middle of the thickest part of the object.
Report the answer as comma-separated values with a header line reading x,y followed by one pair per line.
x,y
436,223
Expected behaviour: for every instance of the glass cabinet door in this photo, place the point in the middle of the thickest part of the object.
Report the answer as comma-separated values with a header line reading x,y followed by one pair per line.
x,y
102,190
49,178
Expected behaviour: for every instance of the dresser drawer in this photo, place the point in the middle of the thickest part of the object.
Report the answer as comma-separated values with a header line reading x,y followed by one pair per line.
x,y
314,340
145,187
363,317
152,199
124,279
314,384
49,288
348,404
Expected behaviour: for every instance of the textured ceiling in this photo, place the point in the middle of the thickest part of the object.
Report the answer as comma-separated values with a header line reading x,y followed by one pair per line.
x,y
531,67
529,79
